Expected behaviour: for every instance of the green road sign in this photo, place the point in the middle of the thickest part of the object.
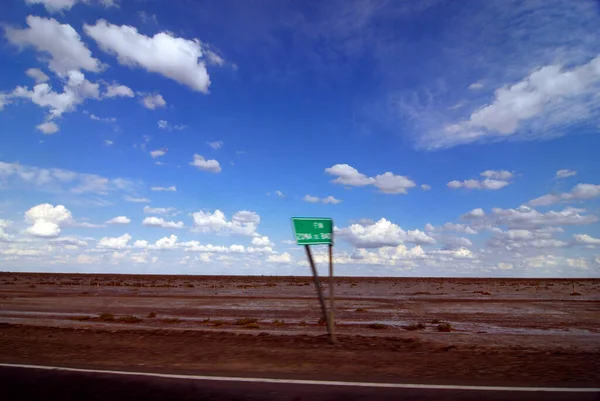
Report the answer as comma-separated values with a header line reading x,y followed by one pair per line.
x,y
313,230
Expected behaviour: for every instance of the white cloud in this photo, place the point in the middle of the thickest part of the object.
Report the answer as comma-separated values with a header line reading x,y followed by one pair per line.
x,y
172,188
37,74
381,233
475,86
159,152
261,241
54,179
314,199
331,199
76,90
153,101
565,173
119,220
173,57
495,179
280,258
215,144
47,219
116,90
387,182
160,222
108,142
579,192
505,266
158,210
578,263
474,214
69,241
531,108
63,44
586,239
242,223
280,194
515,239
115,242
53,6
348,175
48,128
526,217
136,200
206,165
163,124
426,187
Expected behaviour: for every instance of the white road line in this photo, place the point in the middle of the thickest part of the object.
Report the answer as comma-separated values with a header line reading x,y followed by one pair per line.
x,y
314,382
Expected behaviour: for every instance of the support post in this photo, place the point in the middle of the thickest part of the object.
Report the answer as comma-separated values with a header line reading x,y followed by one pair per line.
x,y
319,292
331,297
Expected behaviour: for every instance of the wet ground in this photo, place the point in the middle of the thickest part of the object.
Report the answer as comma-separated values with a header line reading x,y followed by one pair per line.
x,y
543,329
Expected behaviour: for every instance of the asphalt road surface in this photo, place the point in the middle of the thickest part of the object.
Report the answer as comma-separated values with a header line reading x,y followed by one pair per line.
x,y
28,383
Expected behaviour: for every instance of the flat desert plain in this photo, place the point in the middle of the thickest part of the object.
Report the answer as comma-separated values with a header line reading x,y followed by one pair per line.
x,y
516,331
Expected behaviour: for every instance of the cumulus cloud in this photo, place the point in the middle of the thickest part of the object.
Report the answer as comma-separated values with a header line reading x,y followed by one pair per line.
x,y
586,239
75,91
115,242
176,58
280,194
381,233
495,179
153,101
48,128
206,165
119,220
387,182
60,41
579,192
515,239
37,74
172,188
310,199
426,187
164,124
474,214
116,90
261,241
242,223
46,220
160,222
158,152
526,217
280,258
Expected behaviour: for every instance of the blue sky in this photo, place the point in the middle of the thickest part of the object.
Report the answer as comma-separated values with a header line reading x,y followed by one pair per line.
x,y
444,138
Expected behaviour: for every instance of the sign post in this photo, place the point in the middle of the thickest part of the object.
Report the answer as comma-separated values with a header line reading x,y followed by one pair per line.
x,y
315,231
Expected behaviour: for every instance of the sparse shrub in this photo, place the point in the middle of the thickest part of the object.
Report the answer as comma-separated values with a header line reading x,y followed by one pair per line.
x,y
189,285
218,323
81,318
377,326
422,293
415,326
322,321
151,315
435,321
575,293
361,310
171,320
302,323
251,326
245,321
445,327
130,319
106,317
32,286
278,322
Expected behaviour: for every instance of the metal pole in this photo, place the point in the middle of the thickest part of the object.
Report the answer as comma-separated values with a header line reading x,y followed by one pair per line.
x,y
331,298
319,293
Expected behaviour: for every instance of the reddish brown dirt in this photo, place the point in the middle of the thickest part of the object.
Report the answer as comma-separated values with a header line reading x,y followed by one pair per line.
x,y
527,331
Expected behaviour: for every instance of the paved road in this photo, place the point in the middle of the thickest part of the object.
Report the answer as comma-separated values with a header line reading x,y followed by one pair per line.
x,y
27,383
